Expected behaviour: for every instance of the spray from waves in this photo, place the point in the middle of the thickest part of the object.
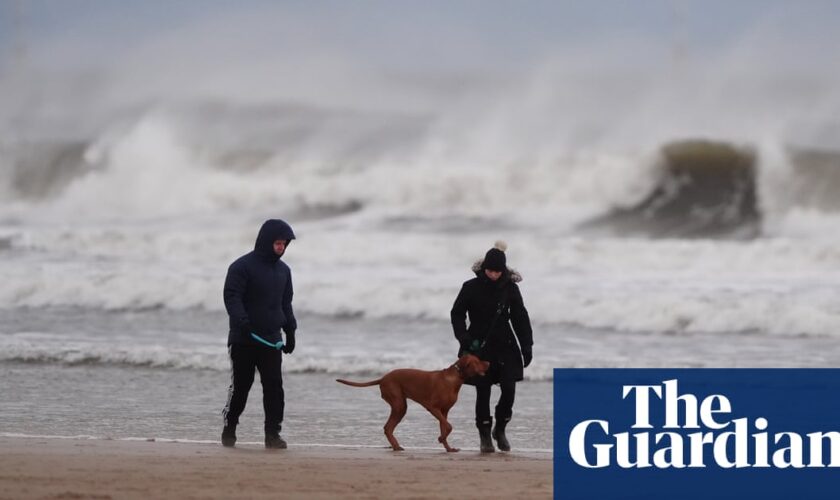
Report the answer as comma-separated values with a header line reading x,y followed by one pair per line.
x,y
170,164
145,171
164,130
799,191
311,163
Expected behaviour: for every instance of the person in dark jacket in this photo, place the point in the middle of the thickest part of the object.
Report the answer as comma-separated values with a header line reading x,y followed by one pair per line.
x,y
258,298
493,303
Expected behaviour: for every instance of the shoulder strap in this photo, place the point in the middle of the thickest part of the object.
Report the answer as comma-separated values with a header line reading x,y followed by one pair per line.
x,y
501,305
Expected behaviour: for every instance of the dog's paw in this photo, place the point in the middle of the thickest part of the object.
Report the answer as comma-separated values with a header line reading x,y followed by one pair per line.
x,y
453,450
398,448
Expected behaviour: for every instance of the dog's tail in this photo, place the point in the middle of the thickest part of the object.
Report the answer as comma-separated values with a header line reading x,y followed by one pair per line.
x,y
359,384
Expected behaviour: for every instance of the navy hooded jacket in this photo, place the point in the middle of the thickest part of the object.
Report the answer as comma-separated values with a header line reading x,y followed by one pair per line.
x,y
258,289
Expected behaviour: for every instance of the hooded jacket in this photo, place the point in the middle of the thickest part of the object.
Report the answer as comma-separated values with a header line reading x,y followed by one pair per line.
x,y
478,300
258,289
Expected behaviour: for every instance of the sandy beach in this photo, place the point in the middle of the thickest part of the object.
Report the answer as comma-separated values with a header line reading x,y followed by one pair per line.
x,y
68,468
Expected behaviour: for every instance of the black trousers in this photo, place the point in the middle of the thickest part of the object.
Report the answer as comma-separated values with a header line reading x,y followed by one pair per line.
x,y
244,360
504,408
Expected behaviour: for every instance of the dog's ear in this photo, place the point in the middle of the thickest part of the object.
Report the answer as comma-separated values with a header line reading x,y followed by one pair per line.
x,y
475,366
479,365
473,362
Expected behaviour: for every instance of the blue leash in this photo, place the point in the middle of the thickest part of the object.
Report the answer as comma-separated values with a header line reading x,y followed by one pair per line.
x,y
279,345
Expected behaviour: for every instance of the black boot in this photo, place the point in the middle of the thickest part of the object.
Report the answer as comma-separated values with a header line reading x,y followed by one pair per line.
x,y
484,434
274,441
499,434
229,435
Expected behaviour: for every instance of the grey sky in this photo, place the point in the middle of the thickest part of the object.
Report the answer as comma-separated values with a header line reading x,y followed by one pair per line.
x,y
435,34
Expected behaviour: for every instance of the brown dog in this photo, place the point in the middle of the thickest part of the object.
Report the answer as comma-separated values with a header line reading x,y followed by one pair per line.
x,y
435,391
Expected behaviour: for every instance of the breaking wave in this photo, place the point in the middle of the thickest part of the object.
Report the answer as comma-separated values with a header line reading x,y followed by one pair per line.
x,y
311,163
159,357
713,189
704,189
772,286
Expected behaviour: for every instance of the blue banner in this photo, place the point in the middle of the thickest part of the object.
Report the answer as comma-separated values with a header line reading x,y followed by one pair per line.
x,y
696,434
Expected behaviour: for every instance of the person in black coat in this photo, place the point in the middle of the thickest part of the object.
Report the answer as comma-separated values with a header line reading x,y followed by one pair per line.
x,y
500,332
258,298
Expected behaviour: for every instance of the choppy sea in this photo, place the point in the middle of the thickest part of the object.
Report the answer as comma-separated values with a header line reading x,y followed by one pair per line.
x,y
115,238
163,375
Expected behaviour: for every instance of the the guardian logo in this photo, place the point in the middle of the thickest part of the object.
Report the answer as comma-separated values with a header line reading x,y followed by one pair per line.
x,y
709,429
695,434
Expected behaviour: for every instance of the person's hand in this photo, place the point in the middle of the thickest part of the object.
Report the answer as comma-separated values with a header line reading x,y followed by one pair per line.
x,y
475,346
246,329
527,356
290,342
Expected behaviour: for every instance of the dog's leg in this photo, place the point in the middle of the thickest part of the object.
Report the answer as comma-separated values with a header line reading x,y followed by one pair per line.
x,y
445,427
398,409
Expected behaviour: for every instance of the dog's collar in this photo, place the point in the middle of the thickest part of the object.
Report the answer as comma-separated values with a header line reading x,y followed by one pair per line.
x,y
460,371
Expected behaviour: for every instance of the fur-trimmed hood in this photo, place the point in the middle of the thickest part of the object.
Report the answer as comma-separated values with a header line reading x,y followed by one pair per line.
x,y
478,267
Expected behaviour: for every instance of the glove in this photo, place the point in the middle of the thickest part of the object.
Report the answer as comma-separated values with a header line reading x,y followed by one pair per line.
x,y
527,356
246,329
290,342
475,345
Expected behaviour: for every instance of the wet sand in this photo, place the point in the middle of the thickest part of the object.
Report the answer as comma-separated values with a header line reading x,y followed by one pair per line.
x,y
67,468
